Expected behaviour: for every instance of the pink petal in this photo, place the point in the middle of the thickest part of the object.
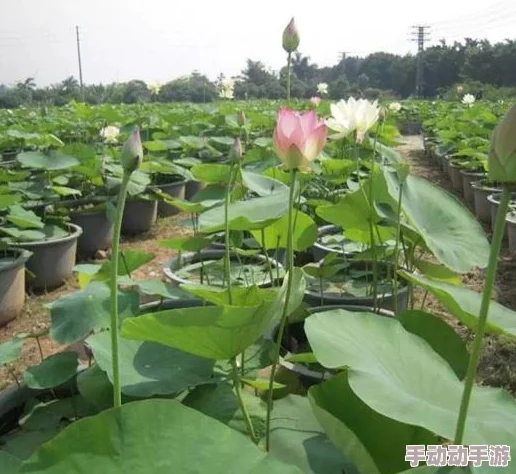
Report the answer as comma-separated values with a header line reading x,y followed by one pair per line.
x,y
280,144
315,144
308,122
287,122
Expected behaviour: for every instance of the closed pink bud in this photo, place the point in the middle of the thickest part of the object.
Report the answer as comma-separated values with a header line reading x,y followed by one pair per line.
x,y
236,151
290,37
241,118
132,152
299,139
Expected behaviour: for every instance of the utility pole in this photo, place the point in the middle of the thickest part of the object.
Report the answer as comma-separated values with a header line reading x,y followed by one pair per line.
x,y
80,62
420,35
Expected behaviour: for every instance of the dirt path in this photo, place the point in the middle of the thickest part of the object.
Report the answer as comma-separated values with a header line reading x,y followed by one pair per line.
x,y
36,317
498,364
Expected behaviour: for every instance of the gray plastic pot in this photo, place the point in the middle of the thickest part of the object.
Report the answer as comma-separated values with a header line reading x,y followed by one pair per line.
x,y
456,177
52,261
319,250
384,300
192,188
482,205
139,216
467,178
510,222
97,232
175,189
494,200
295,335
12,283
188,258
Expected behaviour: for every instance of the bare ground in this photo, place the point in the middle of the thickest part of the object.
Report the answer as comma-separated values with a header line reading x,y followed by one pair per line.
x,y
36,317
498,364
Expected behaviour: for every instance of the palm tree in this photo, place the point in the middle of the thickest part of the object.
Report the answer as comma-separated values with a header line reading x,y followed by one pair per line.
x,y
26,88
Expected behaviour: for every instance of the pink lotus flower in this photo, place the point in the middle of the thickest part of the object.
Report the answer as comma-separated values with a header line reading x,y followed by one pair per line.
x,y
299,139
315,101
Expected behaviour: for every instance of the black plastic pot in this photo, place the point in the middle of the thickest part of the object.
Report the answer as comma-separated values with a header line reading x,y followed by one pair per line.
x,y
176,263
383,300
139,216
295,338
97,232
467,178
456,177
482,205
12,283
192,188
52,261
175,189
410,128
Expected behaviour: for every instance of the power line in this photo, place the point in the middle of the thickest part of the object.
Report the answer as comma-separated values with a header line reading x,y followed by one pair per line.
x,y
420,34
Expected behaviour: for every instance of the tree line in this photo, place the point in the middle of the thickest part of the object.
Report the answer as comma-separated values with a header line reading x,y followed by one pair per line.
x,y
483,68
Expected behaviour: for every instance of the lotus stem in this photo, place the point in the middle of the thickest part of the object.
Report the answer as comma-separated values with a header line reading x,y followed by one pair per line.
x,y
227,256
397,250
283,322
289,67
474,358
238,393
117,387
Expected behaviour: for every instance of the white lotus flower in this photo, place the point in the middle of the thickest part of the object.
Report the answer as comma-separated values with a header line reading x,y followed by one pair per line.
x,y
353,115
227,88
9,112
468,99
32,114
110,134
395,106
322,88
154,87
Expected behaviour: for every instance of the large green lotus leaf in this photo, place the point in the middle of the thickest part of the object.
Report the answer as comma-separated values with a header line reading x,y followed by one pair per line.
x,y
355,428
128,262
399,375
298,438
75,315
7,200
53,371
212,173
464,304
9,463
94,386
276,235
441,336
240,295
148,368
214,332
158,436
253,214
352,212
10,350
51,160
449,230
24,219
262,185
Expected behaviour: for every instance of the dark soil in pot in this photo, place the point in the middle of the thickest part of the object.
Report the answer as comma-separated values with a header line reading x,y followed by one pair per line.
x,y
207,268
294,341
52,260
353,285
12,283
331,238
97,231
481,190
139,216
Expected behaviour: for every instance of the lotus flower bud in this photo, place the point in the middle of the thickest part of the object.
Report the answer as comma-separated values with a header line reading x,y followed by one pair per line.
x,y
290,37
236,151
241,118
502,154
132,152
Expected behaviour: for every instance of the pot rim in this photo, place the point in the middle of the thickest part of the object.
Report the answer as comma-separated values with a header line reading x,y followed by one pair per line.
x,y
188,257
21,255
74,235
325,230
173,184
478,185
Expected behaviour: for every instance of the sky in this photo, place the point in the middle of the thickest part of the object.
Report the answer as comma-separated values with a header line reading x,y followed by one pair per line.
x,y
158,40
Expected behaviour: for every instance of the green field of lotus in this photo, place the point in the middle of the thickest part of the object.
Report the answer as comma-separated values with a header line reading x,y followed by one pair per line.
x,y
283,335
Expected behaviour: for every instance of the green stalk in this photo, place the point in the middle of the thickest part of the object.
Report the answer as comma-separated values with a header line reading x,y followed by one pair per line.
x,y
397,250
283,322
227,261
496,245
289,66
269,266
117,387
238,393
